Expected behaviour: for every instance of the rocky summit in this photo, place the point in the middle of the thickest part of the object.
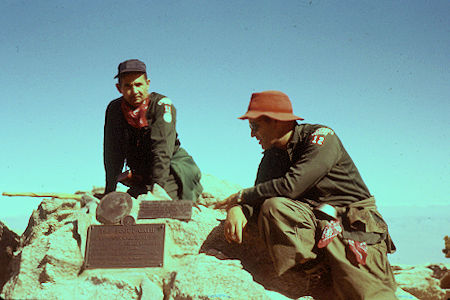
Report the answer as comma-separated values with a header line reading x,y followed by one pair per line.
x,y
47,260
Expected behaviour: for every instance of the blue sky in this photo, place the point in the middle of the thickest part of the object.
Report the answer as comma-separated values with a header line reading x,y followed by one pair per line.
x,y
377,72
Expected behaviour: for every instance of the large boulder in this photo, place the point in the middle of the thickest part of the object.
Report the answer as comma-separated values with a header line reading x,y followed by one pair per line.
x,y
9,241
198,262
49,262
446,250
422,281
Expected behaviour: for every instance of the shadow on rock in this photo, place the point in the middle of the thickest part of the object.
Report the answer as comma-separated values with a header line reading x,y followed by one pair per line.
x,y
9,241
255,260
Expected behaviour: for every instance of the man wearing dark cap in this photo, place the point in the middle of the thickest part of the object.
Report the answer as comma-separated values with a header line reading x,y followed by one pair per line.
x,y
140,131
311,205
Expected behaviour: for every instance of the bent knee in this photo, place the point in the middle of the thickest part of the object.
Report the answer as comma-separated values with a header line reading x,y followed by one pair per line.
x,y
272,206
280,205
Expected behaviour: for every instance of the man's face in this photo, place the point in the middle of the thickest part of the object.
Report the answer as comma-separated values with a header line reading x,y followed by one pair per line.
x,y
134,88
263,130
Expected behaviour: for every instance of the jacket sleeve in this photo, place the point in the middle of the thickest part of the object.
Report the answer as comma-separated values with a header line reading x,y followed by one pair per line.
x,y
319,155
113,156
163,137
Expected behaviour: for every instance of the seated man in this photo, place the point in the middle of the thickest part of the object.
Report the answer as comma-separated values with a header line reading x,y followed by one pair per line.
x,y
140,130
311,204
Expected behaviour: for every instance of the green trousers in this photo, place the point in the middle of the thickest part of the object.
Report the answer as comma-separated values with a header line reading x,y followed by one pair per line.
x,y
290,231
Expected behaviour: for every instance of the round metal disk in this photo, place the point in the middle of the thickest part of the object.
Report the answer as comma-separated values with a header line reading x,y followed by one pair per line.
x,y
113,207
128,220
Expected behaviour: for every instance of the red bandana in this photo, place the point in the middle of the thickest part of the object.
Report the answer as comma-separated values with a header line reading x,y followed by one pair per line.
x,y
360,250
135,116
332,230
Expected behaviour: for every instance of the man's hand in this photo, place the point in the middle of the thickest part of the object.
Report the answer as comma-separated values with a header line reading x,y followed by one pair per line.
x,y
99,195
235,224
229,202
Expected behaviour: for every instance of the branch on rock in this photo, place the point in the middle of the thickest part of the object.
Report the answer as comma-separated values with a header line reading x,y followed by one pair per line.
x,y
52,195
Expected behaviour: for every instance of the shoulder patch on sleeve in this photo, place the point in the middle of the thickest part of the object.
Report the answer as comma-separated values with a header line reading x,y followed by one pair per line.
x,y
167,103
318,136
323,131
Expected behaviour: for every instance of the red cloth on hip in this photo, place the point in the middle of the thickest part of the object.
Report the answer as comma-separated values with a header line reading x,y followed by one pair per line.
x,y
332,230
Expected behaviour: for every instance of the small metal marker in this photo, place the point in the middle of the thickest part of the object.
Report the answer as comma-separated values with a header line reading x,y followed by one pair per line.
x,y
181,209
113,207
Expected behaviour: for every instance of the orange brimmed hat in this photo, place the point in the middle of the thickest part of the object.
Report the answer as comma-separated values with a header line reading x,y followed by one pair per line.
x,y
273,104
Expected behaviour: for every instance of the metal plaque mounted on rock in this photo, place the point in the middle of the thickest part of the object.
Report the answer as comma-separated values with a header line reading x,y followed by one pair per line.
x,y
125,246
181,209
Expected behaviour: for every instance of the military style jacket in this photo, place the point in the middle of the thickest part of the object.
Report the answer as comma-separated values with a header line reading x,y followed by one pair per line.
x,y
148,151
315,168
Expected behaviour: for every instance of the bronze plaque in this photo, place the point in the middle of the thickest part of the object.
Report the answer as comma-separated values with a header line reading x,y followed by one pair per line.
x,y
125,246
181,209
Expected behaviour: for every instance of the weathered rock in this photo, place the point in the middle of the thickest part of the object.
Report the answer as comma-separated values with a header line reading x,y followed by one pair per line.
x,y
445,280
150,291
446,250
255,259
421,281
9,241
198,262
216,189
206,277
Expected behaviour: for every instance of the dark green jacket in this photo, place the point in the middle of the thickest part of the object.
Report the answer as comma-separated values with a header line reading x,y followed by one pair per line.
x,y
315,168
152,152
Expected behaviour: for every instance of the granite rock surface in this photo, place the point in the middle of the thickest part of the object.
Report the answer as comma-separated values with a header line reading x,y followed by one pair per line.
x,y
47,261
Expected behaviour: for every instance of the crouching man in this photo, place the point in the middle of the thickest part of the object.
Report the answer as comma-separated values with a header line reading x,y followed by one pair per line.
x,y
140,130
311,204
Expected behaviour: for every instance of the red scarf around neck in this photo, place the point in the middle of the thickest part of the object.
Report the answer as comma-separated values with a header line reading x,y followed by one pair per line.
x,y
135,116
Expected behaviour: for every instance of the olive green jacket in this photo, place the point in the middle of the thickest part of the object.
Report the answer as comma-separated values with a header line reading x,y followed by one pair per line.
x,y
152,152
315,168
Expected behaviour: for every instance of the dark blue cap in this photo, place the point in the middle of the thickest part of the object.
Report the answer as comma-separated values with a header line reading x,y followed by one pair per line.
x,y
131,65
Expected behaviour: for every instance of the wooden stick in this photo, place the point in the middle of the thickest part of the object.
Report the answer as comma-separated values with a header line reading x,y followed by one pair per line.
x,y
53,195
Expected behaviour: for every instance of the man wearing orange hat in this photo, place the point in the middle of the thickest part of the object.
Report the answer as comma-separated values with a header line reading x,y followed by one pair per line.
x,y
311,204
